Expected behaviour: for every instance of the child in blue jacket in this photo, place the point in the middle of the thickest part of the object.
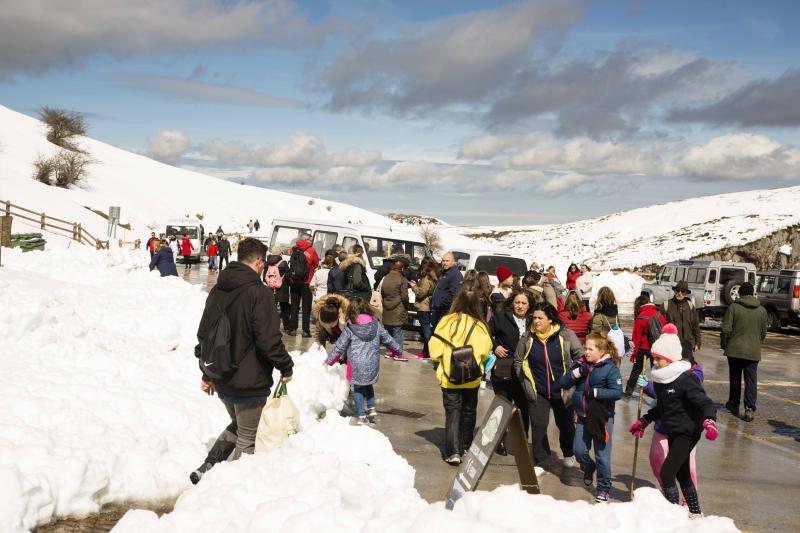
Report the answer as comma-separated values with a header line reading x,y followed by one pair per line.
x,y
598,384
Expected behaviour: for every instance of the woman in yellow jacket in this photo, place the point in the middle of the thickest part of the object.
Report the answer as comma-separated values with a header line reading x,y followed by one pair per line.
x,y
460,401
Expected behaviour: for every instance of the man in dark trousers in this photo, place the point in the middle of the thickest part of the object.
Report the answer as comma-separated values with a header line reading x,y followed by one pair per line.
x,y
446,288
223,251
744,329
299,290
679,310
256,346
151,245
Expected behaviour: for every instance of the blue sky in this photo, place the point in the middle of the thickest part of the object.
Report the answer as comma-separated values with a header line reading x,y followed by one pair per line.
x,y
476,112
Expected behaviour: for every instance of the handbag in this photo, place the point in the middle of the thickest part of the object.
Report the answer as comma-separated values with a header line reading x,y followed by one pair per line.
x,y
463,366
279,419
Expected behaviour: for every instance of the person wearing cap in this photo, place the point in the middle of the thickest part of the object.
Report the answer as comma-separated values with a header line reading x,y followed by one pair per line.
x,y
505,283
679,310
684,409
744,328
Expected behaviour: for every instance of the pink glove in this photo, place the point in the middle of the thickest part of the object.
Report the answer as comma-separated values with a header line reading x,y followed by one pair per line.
x,y
637,429
711,429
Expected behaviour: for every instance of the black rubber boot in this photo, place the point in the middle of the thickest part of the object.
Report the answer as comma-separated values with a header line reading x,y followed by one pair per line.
x,y
672,495
218,453
692,502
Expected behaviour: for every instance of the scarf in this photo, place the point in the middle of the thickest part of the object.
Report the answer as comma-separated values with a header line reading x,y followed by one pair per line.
x,y
670,373
547,334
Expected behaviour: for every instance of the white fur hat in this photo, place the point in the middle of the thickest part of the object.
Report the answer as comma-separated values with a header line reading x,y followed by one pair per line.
x,y
668,345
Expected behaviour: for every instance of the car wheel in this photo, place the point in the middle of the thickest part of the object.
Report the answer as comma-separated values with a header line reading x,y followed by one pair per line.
x,y
773,322
730,292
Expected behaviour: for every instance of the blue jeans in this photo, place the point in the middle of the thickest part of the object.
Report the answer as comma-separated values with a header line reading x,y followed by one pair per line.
x,y
424,318
602,453
361,391
212,262
397,334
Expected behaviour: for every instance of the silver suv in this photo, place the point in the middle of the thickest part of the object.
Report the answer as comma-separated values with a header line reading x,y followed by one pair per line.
x,y
779,293
714,284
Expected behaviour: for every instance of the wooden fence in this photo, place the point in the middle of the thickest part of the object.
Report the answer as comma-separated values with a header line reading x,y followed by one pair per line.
x,y
73,230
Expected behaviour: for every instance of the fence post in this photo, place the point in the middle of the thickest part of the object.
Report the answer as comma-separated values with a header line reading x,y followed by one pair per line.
x,y
74,231
79,232
8,208
43,217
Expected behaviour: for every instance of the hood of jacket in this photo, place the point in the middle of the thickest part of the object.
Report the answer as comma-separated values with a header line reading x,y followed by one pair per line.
x,y
351,259
365,332
236,275
320,303
750,302
302,245
609,310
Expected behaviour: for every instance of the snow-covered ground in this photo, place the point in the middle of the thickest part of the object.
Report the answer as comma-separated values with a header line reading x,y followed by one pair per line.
x,y
101,404
654,234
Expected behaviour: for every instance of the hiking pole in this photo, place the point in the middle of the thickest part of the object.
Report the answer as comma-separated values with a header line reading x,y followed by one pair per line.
x,y
636,442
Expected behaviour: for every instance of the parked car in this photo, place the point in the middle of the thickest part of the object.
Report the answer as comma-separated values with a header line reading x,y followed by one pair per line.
x,y
488,261
779,293
714,284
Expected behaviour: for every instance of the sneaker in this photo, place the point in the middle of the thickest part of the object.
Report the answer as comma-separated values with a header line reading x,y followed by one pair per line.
x,y
372,415
748,415
601,496
588,477
387,355
569,462
422,355
195,476
454,460
734,410
292,333
362,421
306,335
400,357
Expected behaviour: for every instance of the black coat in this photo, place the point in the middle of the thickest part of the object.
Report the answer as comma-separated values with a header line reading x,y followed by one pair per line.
x,y
504,331
682,406
336,281
255,333
446,289
223,248
282,294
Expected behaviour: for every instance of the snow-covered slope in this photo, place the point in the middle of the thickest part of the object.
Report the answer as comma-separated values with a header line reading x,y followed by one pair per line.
x,y
149,192
654,234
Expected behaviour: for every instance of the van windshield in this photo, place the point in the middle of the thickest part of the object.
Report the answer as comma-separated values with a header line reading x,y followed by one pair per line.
x,y
379,248
489,264
180,231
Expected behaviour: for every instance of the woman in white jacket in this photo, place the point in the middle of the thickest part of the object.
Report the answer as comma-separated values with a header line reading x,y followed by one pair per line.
x,y
319,282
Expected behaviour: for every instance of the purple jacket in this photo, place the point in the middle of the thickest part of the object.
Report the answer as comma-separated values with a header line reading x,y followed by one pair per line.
x,y
650,390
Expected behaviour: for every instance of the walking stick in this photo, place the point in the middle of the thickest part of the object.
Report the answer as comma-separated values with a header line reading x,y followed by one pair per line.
x,y
636,442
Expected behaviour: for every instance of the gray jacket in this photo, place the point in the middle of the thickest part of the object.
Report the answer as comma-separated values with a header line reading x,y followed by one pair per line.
x,y
362,343
572,350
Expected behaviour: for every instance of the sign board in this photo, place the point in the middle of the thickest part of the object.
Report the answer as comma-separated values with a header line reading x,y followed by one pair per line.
x,y
501,419
113,220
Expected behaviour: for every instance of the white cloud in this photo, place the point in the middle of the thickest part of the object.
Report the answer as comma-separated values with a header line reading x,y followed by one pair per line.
x,y
741,156
167,145
561,184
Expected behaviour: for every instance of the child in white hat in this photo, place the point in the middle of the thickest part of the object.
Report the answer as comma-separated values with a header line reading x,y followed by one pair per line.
x,y
684,410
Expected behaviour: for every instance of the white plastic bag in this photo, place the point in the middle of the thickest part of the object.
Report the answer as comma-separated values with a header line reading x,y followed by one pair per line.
x,y
279,419
616,336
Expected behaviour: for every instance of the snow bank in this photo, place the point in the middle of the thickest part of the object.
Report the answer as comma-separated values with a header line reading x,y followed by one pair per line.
x,y
626,287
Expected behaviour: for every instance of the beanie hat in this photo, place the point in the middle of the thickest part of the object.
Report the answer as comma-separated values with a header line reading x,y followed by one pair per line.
x,y
503,273
668,345
746,289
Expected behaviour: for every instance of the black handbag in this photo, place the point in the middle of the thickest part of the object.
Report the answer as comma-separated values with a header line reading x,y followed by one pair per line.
x,y
463,366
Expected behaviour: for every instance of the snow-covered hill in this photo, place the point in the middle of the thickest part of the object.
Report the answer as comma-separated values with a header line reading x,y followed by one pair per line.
x,y
149,192
654,234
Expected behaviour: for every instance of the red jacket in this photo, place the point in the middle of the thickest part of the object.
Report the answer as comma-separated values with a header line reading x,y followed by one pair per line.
x,y
312,259
151,244
640,340
572,277
579,325
186,246
212,249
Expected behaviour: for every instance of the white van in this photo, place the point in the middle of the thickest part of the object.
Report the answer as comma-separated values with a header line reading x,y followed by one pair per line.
x,y
193,229
488,260
378,242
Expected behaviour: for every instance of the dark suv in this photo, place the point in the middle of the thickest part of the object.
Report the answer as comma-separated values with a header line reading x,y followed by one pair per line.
x,y
779,293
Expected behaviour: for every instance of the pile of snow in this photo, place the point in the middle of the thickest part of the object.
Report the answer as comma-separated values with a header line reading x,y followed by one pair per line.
x,y
655,234
101,404
625,285
149,192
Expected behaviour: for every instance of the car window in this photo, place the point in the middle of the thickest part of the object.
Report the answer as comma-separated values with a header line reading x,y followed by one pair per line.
x,y
666,273
180,231
418,252
462,260
766,284
696,275
348,243
751,277
712,276
489,264
784,284
285,237
728,274
323,241
379,249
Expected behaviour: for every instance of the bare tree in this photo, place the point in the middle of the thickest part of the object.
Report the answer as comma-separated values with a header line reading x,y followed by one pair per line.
x,y
63,126
431,237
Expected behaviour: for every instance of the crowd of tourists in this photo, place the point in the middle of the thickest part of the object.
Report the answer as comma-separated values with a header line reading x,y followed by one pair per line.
x,y
534,339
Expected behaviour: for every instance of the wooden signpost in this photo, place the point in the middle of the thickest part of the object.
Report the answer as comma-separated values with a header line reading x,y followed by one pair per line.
x,y
501,418
5,233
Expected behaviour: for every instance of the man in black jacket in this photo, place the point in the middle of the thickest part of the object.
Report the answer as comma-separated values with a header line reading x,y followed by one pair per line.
x,y
446,288
223,251
256,347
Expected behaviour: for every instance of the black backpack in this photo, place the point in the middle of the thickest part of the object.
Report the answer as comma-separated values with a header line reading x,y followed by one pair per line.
x,y
298,267
654,327
357,279
214,350
463,366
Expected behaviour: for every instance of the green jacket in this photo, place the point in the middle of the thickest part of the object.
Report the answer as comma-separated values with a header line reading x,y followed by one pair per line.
x,y
744,329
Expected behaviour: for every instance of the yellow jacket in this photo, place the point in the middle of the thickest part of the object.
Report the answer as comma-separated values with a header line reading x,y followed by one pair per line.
x,y
454,327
